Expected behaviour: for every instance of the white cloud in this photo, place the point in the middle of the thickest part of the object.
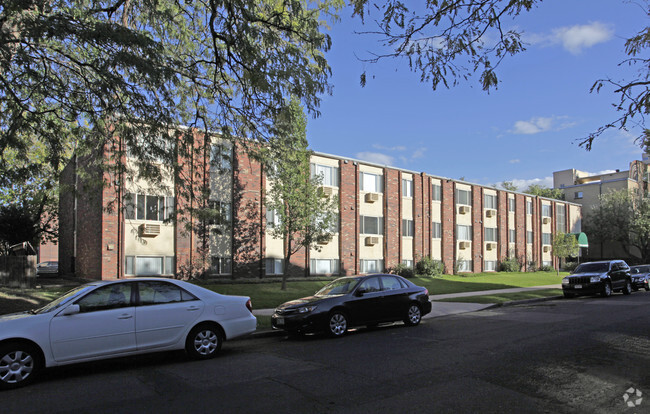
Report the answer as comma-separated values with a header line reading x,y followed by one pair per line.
x,y
383,148
523,184
574,38
418,153
376,158
515,161
540,124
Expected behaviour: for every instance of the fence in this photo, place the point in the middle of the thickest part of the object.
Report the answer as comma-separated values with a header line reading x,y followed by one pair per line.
x,y
18,271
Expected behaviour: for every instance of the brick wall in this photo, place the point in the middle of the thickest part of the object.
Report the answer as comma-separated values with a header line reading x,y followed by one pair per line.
x,y
502,224
448,225
520,228
477,227
349,202
392,218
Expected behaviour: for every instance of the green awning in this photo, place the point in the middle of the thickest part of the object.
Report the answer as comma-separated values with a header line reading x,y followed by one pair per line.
x,y
582,239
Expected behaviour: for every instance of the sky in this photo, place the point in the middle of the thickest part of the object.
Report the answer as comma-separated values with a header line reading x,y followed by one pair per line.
x,y
522,132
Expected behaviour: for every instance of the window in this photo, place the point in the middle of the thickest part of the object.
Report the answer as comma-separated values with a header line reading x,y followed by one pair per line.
x,y
560,217
371,183
149,265
155,293
407,188
547,263
464,265
529,237
221,265
372,266
324,266
148,207
436,192
370,285
372,225
490,266
546,210
274,266
408,263
511,205
221,212
408,228
220,158
546,238
272,218
113,296
463,232
491,234
335,223
436,230
463,197
330,175
577,195
391,283
512,235
529,207
490,201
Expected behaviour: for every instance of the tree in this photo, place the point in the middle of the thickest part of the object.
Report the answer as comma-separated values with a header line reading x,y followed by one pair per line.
x,y
624,218
77,73
508,185
299,213
564,245
447,41
542,191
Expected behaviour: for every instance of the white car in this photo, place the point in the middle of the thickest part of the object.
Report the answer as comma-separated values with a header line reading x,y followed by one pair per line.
x,y
107,319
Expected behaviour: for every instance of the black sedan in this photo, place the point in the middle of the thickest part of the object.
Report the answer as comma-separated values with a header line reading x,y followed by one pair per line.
x,y
640,277
354,301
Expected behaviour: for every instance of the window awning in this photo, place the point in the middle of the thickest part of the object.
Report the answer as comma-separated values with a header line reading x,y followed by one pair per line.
x,y
582,239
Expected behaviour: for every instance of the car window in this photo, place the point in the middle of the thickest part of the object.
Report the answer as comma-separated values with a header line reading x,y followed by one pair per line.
x,y
370,285
592,267
390,283
154,293
106,297
338,287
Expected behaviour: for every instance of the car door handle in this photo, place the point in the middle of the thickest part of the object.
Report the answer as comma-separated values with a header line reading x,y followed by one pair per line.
x,y
193,308
125,316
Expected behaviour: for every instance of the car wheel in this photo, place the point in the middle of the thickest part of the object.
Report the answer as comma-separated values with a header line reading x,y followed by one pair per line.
x,y
568,295
414,315
607,290
204,342
337,324
636,289
647,289
19,365
627,289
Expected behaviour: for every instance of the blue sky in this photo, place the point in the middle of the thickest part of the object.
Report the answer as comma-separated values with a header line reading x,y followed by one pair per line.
x,y
521,132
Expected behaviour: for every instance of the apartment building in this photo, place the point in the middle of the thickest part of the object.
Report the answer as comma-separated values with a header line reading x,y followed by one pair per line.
x,y
585,189
387,216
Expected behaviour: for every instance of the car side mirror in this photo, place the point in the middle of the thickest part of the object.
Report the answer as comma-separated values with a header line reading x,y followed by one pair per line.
x,y
360,292
71,310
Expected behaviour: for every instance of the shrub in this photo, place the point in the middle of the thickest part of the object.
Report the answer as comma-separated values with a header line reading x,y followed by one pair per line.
x,y
546,268
570,266
511,264
403,270
429,267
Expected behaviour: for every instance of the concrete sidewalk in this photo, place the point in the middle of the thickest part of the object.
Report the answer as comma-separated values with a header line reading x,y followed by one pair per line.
x,y
453,308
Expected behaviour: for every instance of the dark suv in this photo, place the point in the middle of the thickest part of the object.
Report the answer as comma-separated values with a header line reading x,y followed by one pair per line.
x,y
598,277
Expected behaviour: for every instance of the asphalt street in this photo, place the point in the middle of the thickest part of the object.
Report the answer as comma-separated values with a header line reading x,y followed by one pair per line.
x,y
588,355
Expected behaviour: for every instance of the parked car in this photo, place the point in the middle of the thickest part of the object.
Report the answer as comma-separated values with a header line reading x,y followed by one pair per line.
x,y
107,319
354,301
601,278
640,277
49,268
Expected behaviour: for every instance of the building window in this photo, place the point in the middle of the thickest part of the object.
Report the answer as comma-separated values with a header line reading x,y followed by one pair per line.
x,y
221,212
372,225
220,158
274,266
148,207
464,265
511,205
529,237
408,228
463,197
436,230
546,238
463,232
372,266
371,183
436,192
330,175
491,234
490,201
324,267
560,218
546,210
577,195
149,265
407,188
547,263
512,235
490,266
408,263
221,265
529,207
272,218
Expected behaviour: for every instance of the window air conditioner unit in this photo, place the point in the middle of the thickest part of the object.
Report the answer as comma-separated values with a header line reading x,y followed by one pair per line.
x,y
547,249
323,241
149,230
372,197
546,220
463,209
371,241
327,191
464,245
491,246
490,212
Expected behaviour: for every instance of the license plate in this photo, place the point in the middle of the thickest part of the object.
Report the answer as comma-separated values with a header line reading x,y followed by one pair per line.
x,y
279,321
577,286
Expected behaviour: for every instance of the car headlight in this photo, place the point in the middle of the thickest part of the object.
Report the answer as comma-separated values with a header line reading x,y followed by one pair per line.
x,y
565,281
307,309
594,279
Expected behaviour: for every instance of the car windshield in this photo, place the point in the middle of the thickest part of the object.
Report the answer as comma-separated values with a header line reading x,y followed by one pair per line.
x,y
639,269
338,287
63,300
592,267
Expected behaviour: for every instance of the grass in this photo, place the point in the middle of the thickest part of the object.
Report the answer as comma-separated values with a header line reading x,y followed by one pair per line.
x,y
506,297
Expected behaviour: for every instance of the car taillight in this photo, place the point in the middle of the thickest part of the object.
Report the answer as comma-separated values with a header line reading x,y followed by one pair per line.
x,y
249,305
